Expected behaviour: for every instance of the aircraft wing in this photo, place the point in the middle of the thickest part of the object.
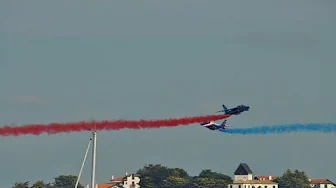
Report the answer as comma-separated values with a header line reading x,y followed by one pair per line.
x,y
214,127
208,124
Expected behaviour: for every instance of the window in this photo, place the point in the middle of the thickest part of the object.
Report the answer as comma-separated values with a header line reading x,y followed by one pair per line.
x,y
265,186
239,186
132,176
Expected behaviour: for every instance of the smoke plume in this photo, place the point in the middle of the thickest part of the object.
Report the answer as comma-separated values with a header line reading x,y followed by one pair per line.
x,y
289,128
55,128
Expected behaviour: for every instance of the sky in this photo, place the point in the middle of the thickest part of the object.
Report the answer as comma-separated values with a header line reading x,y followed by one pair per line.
x,y
76,60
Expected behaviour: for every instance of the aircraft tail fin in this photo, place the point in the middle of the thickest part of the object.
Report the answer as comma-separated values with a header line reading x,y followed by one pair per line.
x,y
224,123
224,107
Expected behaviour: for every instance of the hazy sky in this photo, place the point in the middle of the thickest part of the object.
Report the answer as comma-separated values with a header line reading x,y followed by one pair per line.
x,y
77,60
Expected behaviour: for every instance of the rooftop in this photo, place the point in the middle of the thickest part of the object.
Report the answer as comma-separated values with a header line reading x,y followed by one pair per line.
x,y
266,177
243,169
311,180
253,182
106,185
321,181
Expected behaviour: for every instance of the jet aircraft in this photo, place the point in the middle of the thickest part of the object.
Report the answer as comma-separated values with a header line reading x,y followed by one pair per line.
x,y
214,126
234,111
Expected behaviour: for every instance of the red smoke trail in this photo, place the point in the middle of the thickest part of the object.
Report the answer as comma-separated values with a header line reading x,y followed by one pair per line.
x,y
54,128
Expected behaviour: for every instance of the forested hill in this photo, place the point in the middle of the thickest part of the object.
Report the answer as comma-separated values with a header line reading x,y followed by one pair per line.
x,y
153,176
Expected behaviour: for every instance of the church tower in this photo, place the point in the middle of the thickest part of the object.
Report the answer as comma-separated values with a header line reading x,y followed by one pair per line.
x,y
243,172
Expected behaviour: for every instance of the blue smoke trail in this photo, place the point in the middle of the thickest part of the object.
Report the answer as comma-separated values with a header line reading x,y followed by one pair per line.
x,y
280,129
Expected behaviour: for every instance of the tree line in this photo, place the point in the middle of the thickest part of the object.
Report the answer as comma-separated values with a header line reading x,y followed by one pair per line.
x,y
155,176
62,181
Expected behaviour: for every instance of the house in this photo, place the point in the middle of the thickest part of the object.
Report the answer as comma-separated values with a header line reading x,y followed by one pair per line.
x,y
314,182
321,183
131,181
128,181
243,178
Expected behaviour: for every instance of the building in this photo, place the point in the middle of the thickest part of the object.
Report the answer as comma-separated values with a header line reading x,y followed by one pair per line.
x,y
131,181
272,178
128,181
243,172
243,178
321,183
314,182
105,185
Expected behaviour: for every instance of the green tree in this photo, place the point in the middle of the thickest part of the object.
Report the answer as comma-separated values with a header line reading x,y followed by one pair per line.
x,y
198,182
178,178
209,179
207,173
66,181
161,176
178,172
21,185
293,179
147,182
153,175
41,184
174,181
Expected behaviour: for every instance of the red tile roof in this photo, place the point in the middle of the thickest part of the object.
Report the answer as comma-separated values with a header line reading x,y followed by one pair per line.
x,y
106,185
266,177
124,178
312,180
253,182
115,181
320,181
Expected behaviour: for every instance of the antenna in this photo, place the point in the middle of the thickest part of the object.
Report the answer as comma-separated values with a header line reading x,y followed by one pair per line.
x,y
93,172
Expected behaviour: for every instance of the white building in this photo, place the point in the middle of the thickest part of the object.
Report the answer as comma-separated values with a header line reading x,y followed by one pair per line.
x,y
131,181
272,178
243,178
314,182
128,181
321,183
